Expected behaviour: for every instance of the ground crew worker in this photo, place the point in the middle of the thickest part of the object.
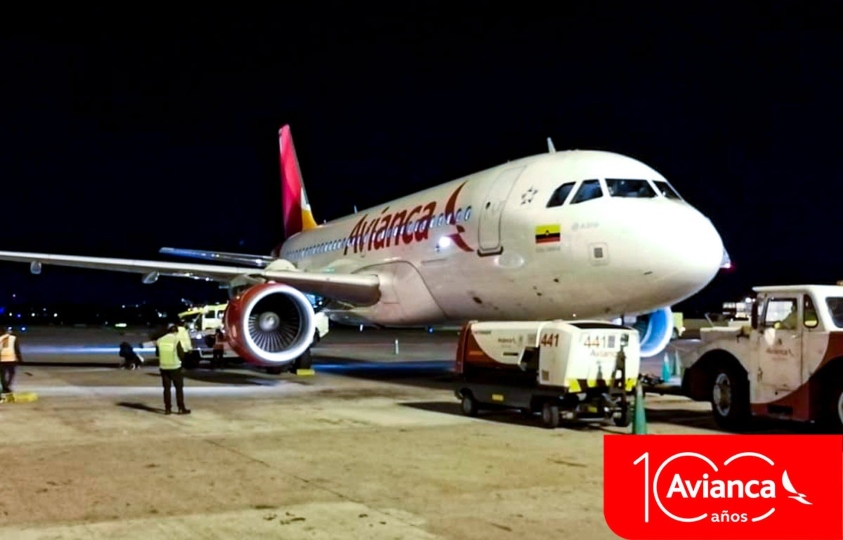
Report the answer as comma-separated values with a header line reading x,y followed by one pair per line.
x,y
184,338
191,355
170,353
790,322
10,356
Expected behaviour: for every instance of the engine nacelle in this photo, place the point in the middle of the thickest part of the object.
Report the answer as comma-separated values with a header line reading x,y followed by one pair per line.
x,y
270,324
656,329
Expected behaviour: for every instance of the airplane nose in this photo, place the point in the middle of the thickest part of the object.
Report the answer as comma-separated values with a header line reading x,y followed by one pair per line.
x,y
698,251
684,252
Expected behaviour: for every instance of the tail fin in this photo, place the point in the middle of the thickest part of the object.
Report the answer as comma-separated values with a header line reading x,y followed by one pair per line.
x,y
297,214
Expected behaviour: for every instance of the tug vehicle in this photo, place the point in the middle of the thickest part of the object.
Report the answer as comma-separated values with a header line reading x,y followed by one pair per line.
x,y
785,362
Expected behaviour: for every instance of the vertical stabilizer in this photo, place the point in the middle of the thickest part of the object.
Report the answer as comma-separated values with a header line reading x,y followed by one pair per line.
x,y
297,214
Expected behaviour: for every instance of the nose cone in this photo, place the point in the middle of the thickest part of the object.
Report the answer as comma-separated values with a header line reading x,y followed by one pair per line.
x,y
692,252
683,251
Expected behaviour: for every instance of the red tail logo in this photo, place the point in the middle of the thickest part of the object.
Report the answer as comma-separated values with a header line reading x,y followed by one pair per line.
x,y
297,214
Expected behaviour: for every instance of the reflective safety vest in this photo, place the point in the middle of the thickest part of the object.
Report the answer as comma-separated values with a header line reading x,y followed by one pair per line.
x,y
184,337
7,352
168,357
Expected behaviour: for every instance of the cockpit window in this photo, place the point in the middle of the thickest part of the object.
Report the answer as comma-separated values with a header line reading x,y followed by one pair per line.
x,y
561,193
666,190
640,189
590,189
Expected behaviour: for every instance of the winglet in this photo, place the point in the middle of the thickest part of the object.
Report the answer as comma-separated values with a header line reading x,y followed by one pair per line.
x,y
297,214
550,148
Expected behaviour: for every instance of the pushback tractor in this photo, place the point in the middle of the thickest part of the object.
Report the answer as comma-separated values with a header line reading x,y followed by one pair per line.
x,y
785,363
578,370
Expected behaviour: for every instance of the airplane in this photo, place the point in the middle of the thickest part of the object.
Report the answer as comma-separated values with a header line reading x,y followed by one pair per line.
x,y
577,234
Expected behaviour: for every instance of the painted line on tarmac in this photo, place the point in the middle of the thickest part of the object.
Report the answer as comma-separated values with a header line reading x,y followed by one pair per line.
x,y
117,391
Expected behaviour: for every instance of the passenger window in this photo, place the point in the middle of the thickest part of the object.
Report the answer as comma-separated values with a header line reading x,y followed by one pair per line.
x,y
640,189
590,189
666,190
560,195
809,313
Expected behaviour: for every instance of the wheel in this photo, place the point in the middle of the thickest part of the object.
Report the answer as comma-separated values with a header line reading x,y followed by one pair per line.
x,y
625,418
550,415
730,398
305,361
275,370
468,405
832,419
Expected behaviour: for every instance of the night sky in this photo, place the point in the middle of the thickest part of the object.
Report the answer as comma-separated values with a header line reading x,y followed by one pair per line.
x,y
123,132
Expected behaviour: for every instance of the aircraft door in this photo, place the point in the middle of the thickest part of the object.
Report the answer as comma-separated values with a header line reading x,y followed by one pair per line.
x,y
490,215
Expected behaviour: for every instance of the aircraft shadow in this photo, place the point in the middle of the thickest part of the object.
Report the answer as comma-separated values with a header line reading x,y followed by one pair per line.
x,y
235,378
677,417
704,420
500,416
141,407
114,365
429,374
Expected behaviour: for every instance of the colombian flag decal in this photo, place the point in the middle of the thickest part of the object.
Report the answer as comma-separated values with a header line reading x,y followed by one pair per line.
x,y
546,234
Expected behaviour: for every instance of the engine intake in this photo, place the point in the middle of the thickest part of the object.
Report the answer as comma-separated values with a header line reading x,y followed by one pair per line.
x,y
655,329
270,324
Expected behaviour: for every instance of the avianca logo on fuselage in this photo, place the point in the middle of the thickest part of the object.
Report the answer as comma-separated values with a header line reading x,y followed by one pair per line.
x,y
407,226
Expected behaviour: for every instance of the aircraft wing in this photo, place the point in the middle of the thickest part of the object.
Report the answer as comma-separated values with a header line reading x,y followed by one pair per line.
x,y
258,261
360,289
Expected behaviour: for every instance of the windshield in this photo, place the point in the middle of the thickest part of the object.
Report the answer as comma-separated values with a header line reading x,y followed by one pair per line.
x,y
189,320
835,308
590,189
640,189
667,190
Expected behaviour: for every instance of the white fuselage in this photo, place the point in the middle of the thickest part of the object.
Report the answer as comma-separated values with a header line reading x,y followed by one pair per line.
x,y
477,248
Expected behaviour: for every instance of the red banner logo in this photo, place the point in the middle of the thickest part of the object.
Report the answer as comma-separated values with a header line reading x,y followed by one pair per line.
x,y
723,486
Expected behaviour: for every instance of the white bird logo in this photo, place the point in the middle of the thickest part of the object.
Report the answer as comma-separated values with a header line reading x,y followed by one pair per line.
x,y
800,497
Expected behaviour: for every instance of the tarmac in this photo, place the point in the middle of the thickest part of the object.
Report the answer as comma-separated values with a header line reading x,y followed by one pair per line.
x,y
372,446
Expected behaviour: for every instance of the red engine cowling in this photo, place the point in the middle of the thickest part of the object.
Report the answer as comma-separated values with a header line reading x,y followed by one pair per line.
x,y
270,324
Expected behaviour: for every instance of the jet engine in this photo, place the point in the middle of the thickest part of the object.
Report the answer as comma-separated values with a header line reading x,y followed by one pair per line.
x,y
656,329
269,324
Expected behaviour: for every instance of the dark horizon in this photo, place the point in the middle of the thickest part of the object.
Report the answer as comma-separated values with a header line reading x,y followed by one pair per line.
x,y
117,140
